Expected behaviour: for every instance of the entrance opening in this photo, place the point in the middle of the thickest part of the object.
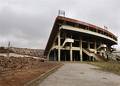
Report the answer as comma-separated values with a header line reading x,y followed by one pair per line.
x,y
53,55
76,55
65,55
85,57
85,45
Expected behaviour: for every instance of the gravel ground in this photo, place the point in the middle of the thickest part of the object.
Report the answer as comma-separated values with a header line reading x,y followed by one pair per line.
x,y
81,74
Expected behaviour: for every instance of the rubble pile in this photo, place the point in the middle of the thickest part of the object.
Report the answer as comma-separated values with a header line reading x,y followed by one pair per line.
x,y
16,63
27,51
3,50
23,51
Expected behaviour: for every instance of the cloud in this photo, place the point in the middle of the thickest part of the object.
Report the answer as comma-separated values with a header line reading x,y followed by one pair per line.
x,y
28,23
26,27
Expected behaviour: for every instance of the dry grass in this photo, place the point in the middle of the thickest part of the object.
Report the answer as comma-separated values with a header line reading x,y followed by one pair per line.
x,y
113,67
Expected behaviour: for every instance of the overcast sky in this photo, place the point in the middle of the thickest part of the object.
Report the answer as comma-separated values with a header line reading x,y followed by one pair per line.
x,y
28,23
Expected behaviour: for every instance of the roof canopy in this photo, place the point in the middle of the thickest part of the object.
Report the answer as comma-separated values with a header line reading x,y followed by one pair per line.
x,y
68,21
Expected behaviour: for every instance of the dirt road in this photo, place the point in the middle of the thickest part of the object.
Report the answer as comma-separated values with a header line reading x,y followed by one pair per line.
x,y
81,74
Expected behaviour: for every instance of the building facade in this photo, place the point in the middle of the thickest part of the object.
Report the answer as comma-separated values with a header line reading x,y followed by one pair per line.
x,y
73,40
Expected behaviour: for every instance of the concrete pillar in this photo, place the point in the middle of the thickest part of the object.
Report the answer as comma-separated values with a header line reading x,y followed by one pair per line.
x,y
89,48
48,56
71,58
88,45
59,46
81,58
100,50
95,47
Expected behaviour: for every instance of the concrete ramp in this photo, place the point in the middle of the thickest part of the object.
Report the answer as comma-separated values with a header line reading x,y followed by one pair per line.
x,y
76,74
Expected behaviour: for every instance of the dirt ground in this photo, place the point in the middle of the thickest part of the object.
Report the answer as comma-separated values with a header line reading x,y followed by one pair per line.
x,y
18,71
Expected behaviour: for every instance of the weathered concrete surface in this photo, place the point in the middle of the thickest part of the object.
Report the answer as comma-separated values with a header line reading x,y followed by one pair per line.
x,y
80,74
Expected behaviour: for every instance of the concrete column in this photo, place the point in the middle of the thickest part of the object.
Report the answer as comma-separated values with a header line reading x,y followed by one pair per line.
x,y
48,56
88,45
89,48
100,50
71,58
81,58
95,47
59,46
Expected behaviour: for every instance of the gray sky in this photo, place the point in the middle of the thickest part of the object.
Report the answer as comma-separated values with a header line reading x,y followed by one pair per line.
x,y
28,23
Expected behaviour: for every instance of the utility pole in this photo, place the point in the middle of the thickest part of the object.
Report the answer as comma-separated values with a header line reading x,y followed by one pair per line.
x,y
8,49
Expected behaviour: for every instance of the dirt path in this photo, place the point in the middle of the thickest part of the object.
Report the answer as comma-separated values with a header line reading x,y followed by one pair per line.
x,y
80,74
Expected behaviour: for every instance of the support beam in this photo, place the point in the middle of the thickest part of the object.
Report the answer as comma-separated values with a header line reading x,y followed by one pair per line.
x,y
89,48
48,58
71,58
48,55
95,47
88,45
81,57
59,46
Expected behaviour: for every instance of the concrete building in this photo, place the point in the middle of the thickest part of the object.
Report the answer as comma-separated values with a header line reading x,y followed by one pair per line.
x,y
73,40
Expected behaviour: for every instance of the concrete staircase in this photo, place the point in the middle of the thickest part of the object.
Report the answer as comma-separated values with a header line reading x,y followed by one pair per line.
x,y
92,54
67,40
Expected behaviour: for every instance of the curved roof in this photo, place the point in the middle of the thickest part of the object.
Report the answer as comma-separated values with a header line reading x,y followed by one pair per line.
x,y
84,23
63,20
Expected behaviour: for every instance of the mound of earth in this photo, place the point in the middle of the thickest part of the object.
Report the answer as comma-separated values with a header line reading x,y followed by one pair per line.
x,y
16,71
23,51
